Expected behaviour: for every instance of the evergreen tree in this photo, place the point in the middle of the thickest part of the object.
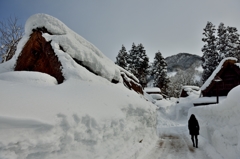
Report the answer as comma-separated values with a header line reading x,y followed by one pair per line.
x,y
139,63
222,42
143,66
227,44
233,42
132,60
238,50
122,57
210,56
159,72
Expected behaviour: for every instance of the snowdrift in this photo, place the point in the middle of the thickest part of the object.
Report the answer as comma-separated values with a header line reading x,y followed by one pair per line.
x,y
220,124
72,120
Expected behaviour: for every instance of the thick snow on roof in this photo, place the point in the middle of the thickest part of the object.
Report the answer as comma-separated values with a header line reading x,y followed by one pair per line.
x,y
192,90
209,80
237,64
128,73
192,87
152,89
74,45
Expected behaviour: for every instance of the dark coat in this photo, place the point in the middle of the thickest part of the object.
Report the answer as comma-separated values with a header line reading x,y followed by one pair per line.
x,y
193,125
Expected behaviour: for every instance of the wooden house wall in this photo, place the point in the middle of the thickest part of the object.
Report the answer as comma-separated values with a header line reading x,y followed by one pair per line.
x,y
38,55
183,93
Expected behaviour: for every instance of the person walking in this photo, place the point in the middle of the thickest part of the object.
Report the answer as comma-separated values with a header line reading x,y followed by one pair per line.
x,y
194,128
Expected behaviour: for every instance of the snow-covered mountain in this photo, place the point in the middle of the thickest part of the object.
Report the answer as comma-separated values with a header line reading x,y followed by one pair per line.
x,y
182,61
188,65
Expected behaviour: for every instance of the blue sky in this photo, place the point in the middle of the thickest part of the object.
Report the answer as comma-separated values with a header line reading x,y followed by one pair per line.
x,y
170,26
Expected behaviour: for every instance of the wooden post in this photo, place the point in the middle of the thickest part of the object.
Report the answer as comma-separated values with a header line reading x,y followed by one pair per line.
x,y
217,79
217,93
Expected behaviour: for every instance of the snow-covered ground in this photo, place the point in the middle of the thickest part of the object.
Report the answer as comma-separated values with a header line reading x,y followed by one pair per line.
x,y
96,119
77,119
219,128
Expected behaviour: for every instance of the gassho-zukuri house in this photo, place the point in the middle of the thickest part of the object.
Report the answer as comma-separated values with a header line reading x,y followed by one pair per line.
x,y
154,92
225,77
50,47
187,90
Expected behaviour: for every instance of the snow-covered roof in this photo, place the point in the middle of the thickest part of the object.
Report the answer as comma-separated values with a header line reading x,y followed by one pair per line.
x,y
190,91
152,89
191,87
210,79
74,45
122,70
237,64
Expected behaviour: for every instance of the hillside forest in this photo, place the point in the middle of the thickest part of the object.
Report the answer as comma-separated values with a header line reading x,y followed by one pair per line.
x,y
219,43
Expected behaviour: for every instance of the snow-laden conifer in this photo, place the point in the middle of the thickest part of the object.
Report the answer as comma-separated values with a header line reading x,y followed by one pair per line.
x,y
139,63
222,42
210,55
122,57
159,72
232,42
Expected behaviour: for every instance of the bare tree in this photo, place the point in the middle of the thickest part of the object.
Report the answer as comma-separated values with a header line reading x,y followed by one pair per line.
x,y
10,34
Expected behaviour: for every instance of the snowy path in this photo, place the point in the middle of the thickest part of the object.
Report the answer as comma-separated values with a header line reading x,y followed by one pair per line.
x,y
176,146
175,142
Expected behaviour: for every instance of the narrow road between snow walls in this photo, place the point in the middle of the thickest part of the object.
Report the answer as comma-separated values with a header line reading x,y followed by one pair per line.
x,y
175,142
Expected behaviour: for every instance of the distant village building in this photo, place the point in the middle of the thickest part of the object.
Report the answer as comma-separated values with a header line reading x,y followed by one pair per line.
x,y
223,79
188,90
154,92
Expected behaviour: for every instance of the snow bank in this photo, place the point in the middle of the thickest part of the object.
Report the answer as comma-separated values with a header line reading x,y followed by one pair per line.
x,y
77,119
34,78
176,109
152,90
220,124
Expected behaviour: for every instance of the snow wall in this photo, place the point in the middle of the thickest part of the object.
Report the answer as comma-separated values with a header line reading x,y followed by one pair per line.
x,y
220,124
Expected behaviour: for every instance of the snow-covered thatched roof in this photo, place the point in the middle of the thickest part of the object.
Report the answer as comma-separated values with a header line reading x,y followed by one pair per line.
x,y
49,46
152,90
215,72
190,87
189,90
72,45
223,79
